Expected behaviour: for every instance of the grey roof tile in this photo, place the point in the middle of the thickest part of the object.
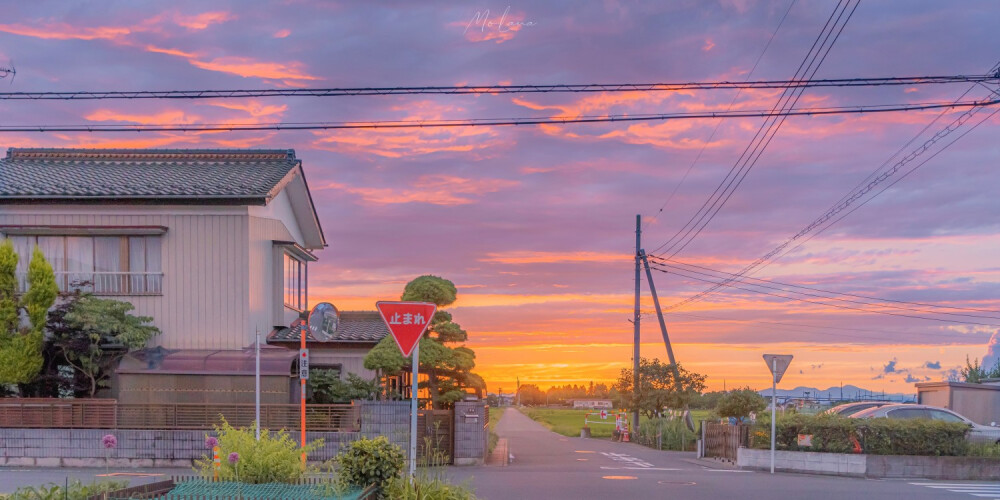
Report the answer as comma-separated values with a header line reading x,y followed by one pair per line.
x,y
142,173
354,326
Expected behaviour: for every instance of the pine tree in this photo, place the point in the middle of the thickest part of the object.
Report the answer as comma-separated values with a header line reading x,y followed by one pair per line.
x,y
21,345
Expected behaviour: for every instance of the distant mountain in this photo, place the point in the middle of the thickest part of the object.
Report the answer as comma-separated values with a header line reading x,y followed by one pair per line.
x,y
848,392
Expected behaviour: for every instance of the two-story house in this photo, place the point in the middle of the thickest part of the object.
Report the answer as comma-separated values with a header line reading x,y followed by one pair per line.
x,y
213,244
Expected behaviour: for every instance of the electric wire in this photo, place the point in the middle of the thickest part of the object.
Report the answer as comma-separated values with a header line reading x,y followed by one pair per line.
x,y
719,123
482,122
84,95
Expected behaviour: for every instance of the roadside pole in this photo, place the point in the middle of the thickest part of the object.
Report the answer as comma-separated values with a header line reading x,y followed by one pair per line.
x,y
635,328
256,376
777,364
303,357
413,412
774,406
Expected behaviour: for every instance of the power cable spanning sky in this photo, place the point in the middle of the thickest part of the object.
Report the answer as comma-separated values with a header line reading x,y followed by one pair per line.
x,y
475,153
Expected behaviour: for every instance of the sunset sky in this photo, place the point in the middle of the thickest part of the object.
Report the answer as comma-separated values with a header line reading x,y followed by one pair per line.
x,y
535,224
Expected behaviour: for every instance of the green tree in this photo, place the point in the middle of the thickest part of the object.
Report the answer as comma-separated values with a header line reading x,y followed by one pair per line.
x,y
658,387
740,403
328,388
530,395
973,373
92,334
448,369
21,343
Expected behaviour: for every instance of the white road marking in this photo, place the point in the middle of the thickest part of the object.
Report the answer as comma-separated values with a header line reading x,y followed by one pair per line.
x,y
627,459
984,490
640,468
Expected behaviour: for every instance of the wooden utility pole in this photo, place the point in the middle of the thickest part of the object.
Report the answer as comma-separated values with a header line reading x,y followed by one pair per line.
x,y
635,325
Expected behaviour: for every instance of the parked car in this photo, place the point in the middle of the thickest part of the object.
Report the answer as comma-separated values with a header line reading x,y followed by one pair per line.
x,y
977,433
848,409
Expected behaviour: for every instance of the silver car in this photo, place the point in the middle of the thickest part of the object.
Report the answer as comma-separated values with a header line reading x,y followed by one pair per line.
x,y
848,409
977,433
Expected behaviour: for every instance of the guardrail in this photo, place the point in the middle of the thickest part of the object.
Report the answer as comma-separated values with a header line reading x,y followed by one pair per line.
x,y
109,414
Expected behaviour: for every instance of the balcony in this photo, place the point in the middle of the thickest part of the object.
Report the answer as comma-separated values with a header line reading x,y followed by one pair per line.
x,y
104,283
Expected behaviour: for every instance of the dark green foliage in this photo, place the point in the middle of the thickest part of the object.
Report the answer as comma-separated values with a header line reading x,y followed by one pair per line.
x,y
973,373
740,403
327,388
276,458
530,395
658,388
370,462
21,345
875,436
666,434
427,488
76,490
448,369
706,401
92,334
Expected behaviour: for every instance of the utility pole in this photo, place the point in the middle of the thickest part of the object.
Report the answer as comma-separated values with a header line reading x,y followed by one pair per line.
x,y
635,325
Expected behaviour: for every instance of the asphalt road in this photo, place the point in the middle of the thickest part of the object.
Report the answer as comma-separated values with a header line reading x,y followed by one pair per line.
x,y
548,466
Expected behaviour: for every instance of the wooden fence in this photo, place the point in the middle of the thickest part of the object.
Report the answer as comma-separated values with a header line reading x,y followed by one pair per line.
x,y
108,414
722,441
436,437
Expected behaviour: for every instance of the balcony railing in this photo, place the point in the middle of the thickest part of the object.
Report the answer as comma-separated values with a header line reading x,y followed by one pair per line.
x,y
104,283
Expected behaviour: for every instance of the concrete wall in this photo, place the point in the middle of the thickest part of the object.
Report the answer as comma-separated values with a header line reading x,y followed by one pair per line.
x,y
872,466
166,448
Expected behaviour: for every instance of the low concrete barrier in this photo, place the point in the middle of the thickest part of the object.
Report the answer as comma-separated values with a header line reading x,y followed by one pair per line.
x,y
871,466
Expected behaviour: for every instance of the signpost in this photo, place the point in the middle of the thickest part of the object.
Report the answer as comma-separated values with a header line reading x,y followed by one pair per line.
x,y
321,324
777,363
407,321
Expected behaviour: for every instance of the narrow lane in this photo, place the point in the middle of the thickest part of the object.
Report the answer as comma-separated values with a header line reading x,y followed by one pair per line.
x,y
548,466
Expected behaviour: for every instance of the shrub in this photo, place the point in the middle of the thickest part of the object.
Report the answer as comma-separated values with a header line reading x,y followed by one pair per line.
x,y
276,458
666,434
370,461
76,490
984,450
426,488
740,403
877,436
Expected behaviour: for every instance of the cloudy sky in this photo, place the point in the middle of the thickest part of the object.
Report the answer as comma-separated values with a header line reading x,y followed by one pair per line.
x,y
535,224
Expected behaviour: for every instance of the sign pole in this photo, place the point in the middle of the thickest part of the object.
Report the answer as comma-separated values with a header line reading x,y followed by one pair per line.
x,y
256,376
774,405
413,412
302,383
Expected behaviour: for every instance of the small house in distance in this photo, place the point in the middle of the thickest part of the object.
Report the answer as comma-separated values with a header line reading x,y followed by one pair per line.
x,y
593,404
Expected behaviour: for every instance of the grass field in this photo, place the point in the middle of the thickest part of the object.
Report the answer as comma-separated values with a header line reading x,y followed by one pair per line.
x,y
568,422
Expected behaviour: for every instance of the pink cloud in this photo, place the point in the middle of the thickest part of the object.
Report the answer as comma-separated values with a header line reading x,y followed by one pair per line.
x,y
432,189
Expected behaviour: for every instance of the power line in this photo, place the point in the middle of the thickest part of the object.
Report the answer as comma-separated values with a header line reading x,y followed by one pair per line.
x,y
674,263
80,95
715,130
838,306
774,285
752,153
481,122
833,212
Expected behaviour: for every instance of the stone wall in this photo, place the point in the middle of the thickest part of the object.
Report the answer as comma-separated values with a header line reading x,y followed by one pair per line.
x,y
872,466
470,433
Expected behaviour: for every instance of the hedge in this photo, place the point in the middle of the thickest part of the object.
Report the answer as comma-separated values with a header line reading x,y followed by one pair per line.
x,y
876,436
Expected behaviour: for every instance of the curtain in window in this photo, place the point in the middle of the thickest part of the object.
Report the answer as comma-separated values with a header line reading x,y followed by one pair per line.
x,y
154,281
108,265
80,262
53,247
137,264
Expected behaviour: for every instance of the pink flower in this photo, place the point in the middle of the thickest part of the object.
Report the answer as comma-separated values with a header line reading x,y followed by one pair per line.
x,y
211,442
234,457
109,441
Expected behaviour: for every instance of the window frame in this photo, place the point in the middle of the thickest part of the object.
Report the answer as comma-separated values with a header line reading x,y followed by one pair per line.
x,y
295,277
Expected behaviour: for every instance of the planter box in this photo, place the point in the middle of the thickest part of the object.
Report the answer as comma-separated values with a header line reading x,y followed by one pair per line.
x,y
872,466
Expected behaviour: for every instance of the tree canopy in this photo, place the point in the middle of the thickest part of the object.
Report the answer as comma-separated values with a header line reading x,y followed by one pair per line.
x,y
448,369
740,403
21,338
658,387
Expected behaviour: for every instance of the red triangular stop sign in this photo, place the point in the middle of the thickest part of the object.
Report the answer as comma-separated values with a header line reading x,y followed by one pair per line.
x,y
407,321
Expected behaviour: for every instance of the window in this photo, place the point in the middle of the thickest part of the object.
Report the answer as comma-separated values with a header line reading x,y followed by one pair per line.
x,y
908,413
295,283
104,265
945,416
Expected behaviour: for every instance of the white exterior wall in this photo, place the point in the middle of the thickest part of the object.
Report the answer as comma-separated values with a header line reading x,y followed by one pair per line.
x,y
216,261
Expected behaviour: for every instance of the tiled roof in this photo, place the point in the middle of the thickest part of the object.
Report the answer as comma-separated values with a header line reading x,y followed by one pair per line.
x,y
142,173
354,326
